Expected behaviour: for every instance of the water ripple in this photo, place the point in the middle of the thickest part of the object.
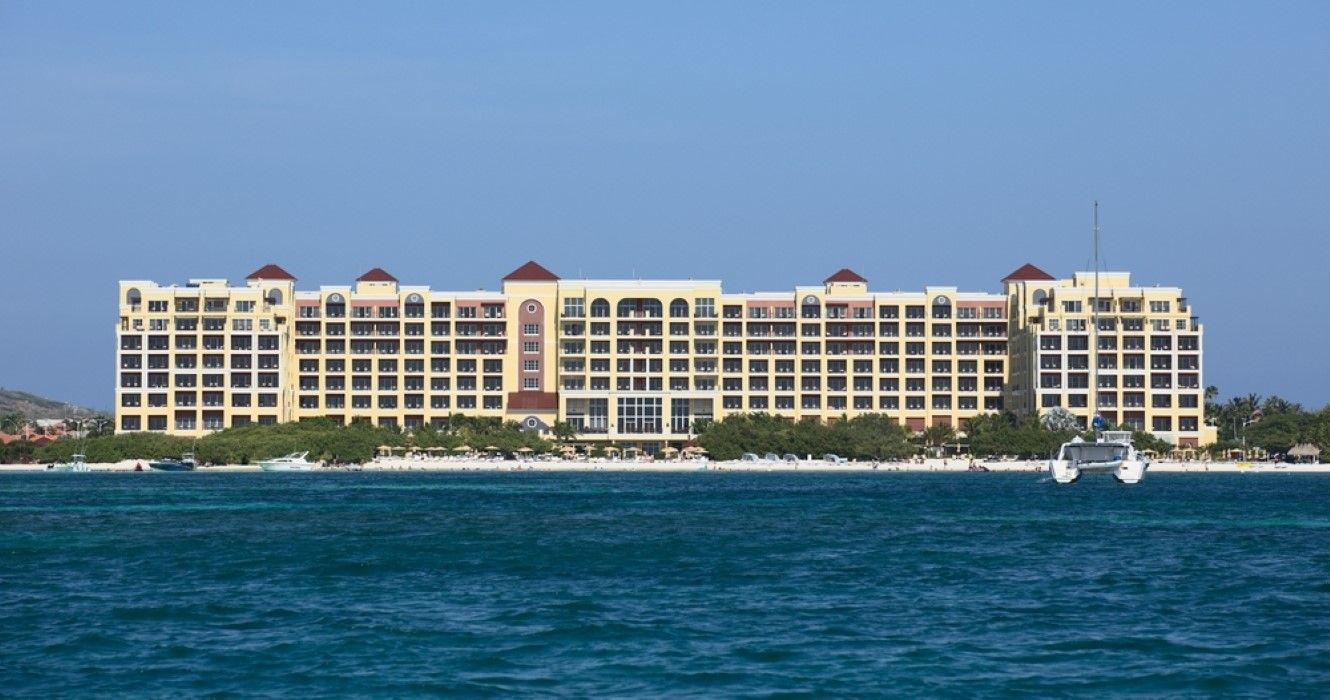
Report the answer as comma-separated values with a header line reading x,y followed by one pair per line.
x,y
688,585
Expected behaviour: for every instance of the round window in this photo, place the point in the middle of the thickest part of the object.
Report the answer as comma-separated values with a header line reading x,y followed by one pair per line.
x,y
531,308
531,422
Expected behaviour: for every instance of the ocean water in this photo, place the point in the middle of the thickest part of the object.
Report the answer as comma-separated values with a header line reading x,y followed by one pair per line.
x,y
690,584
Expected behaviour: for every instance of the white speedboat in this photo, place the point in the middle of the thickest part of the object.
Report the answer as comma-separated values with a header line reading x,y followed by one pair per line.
x,y
1110,453
294,462
76,463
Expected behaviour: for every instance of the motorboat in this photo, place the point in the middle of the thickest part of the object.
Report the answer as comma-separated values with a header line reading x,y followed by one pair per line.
x,y
183,463
294,462
76,463
1110,453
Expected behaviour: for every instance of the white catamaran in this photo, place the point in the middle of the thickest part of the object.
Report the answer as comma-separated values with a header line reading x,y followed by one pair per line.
x,y
1111,452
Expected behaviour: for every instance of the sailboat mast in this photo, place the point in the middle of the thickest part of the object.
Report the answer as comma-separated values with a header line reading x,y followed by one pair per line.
x,y
1094,322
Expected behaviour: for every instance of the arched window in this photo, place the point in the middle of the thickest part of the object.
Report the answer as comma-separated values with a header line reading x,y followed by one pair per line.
x,y
274,296
678,309
600,309
1040,298
640,308
133,297
414,299
941,307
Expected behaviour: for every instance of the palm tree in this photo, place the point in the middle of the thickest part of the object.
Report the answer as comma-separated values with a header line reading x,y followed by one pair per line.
x,y
938,436
563,431
1275,405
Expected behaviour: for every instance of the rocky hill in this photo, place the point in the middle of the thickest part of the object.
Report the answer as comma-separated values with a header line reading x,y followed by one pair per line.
x,y
34,407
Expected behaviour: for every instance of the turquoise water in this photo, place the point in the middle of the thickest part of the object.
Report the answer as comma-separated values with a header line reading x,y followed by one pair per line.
x,y
698,584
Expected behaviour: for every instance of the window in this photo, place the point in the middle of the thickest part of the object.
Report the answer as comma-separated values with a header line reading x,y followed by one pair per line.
x,y
531,329
531,383
531,365
639,415
704,308
1071,307
1159,307
530,347
244,307
574,307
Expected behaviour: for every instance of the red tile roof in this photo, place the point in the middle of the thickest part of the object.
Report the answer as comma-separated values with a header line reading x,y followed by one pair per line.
x,y
532,271
270,272
376,275
533,400
1027,272
845,274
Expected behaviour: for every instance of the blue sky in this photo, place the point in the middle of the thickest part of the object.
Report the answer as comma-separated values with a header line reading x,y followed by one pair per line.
x,y
764,144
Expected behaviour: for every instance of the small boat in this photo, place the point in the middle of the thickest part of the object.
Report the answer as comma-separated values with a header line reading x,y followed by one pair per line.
x,y
294,462
76,463
1110,453
184,463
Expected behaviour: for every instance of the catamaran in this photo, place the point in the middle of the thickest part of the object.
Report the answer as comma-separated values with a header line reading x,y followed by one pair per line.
x,y
1110,453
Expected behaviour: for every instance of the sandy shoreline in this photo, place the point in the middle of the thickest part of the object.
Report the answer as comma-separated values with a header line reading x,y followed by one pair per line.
x,y
814,466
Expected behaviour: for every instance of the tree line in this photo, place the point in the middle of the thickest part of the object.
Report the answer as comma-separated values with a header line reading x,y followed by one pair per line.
x,y
324,440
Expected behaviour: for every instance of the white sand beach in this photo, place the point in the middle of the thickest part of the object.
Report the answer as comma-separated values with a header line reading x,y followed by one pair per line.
x,y
457,464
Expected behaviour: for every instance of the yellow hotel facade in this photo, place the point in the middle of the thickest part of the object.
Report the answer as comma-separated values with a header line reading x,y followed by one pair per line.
x,y
636,362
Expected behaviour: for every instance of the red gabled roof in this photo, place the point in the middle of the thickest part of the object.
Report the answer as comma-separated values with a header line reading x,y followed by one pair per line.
x,y
1027,272
532,271
270,272
376,275
845,274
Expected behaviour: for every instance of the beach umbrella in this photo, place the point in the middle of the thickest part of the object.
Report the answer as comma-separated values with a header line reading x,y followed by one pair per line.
x,y
615,450
491,448
632,449
525,449
669,450
385,449
462,448
434,449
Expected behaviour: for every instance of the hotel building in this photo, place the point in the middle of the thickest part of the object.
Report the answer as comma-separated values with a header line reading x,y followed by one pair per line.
x,y
633,361
1130,354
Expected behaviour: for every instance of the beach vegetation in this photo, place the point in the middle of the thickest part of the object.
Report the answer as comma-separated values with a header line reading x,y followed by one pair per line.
x,y
323,439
